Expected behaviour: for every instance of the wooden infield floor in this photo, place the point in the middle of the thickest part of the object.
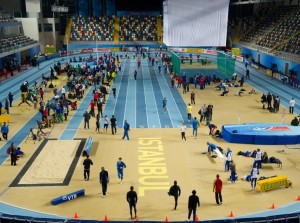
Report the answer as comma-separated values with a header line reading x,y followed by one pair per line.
x,y
154,159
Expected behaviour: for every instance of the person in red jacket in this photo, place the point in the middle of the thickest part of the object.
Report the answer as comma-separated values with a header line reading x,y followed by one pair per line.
x,y
92,105
179,82
218,190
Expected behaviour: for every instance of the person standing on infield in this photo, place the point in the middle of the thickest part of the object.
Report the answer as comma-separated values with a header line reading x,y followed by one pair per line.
x,y
87,165
126,130
218,189
104,179
175,191
192,205
132,199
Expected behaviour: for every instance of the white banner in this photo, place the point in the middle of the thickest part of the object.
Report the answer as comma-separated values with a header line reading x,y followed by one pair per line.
x,y
195,22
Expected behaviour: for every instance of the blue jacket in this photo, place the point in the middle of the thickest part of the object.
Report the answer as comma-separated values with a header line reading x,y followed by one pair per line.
x,y
4,129
126,126
195,124
120,166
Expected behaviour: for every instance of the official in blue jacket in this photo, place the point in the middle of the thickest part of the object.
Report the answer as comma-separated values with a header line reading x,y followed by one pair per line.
x,y
126,130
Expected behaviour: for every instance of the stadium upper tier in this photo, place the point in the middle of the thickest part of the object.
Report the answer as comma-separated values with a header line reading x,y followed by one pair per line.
x,y
278,30
131,28
5,17
92,28
14,41
138,28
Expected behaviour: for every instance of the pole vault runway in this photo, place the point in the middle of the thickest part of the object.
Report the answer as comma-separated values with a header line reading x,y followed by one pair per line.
x,y
155,156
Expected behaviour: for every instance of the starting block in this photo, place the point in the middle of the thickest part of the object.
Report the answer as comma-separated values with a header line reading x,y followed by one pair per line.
x,y
68,197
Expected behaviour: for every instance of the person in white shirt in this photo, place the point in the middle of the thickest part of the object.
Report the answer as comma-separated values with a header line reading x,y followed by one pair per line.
x,y
257,159
183,130
292,105
228,159
106,122
63,92
254,174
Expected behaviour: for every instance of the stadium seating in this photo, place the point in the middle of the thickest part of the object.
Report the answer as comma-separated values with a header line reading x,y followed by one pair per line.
x,y
14,41
293,45
282,30
278,28
92,28
5,17
138,28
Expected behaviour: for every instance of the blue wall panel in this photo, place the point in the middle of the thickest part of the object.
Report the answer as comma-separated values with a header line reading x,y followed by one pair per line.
x,y
97,7
110,7
83,7
267,60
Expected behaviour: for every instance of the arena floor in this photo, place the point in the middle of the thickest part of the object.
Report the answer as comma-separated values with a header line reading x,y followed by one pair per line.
x,y
173,158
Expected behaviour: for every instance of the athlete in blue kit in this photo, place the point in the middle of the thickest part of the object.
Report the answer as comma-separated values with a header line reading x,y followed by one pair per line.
x,y
120,167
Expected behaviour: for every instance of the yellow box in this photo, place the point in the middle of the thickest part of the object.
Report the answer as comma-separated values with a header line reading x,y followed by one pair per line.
x,y
272,183
5,118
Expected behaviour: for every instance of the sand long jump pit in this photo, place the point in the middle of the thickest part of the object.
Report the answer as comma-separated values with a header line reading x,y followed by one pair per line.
x,y
52,164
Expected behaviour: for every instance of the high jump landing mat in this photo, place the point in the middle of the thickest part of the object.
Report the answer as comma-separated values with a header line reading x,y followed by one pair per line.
x,y
262,134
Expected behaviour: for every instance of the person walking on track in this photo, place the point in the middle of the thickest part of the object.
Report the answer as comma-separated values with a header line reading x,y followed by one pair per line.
x,y
175,191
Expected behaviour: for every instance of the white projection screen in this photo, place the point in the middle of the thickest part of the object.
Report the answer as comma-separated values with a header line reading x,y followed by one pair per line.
x,y
195,22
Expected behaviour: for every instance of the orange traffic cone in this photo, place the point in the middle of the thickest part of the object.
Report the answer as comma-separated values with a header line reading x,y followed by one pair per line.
x,y
166,220
197,218
273,206
231,214
136,218
75,215
298,199
105,218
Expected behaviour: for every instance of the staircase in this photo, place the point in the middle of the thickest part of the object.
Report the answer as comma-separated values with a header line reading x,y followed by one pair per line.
x,y
159,26
117,30
68,32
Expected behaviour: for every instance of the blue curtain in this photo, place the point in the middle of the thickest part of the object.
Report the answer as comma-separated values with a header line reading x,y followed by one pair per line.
x,y
97,7
110,7
83,7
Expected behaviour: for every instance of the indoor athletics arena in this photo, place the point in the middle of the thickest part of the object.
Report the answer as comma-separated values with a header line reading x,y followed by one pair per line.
x,y
180,90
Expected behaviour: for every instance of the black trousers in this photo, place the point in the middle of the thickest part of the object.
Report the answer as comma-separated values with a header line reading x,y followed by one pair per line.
x,y
194,213
4,136
86,174
104,188
134,208
176,201
13,159
113,129
218,196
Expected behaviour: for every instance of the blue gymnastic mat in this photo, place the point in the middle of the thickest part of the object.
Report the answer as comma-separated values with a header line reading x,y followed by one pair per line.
x,y
262,133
